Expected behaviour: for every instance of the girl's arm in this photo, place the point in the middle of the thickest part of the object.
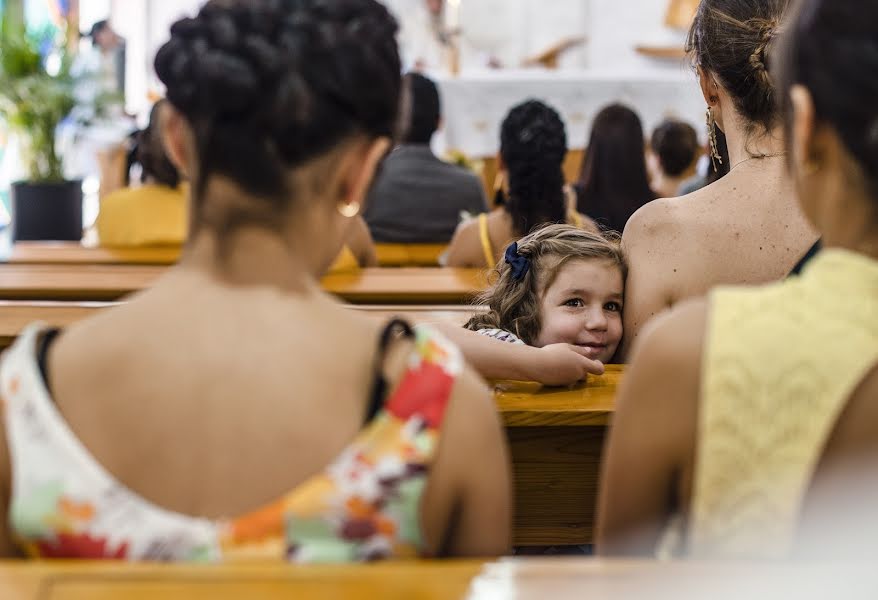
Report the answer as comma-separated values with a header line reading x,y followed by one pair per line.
x,y
558,364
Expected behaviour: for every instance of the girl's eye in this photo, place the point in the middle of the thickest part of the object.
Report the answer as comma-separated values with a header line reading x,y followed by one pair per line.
x,y
575,302
613,307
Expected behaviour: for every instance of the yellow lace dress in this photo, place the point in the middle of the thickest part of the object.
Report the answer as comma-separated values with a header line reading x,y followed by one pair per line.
x,y
780,364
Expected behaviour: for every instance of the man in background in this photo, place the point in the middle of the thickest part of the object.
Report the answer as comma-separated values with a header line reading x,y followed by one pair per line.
x,y
418,198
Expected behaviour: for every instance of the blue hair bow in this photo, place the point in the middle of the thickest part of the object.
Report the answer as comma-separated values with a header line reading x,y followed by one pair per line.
x,y
520,264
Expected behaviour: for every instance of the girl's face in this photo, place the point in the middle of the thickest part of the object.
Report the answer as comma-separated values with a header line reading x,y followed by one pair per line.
x,y
583,306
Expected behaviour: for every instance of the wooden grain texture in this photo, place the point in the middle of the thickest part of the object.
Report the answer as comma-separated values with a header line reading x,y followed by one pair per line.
x,y
410,285
409,255
556,472
73,253
587,404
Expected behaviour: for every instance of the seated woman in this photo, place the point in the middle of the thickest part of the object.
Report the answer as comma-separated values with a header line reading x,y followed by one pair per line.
x,y
157,212
739,411
614,182
234,410
154,213
559,284
745,228
533,144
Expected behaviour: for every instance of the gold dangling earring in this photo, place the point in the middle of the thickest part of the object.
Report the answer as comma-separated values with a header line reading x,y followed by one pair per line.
x,y
349,210
715,156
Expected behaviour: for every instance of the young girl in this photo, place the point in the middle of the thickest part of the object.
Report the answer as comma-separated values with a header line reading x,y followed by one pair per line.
x,y
560,284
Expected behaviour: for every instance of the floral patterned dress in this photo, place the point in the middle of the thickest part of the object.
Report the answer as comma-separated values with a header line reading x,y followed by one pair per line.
x,y
363,506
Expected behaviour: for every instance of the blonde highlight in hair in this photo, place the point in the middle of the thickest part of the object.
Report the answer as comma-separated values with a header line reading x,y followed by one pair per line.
x,y
514,306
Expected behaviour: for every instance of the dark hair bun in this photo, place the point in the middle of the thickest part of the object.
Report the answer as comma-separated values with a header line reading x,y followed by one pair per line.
x,y
733,39
269,84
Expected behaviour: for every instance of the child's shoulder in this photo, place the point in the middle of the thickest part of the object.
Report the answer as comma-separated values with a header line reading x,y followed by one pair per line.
x,y
501,335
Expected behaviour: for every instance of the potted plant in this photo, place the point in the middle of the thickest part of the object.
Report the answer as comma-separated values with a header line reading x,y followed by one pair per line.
x,y
33,101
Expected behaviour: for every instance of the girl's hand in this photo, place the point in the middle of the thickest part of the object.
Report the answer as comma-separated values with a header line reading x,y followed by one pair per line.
x,y
563,364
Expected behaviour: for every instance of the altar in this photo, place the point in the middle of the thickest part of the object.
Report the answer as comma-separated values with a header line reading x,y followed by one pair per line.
x,y
475,103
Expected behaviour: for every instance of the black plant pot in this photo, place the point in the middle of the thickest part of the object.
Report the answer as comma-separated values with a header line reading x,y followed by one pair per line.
x,y
47,211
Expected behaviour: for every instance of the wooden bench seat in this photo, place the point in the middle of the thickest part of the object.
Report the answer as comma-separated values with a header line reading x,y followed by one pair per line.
x,y
108,282
409,255
73,253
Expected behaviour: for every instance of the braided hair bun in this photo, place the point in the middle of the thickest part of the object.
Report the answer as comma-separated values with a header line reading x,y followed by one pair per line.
x,y
533,145
268,85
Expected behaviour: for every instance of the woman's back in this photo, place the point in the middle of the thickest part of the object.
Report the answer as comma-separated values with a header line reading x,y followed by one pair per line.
x,y
744,229
233,409
533,144
231,400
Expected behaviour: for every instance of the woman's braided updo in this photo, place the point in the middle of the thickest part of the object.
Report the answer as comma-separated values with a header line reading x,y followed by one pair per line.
x,y
268,85
732,39
533,144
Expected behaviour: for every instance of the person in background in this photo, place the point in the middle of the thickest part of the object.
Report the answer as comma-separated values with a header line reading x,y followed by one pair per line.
x,y
155,212
746,425
614,183
110,48
533,145
746,228
235,410
673,152
418,198
709,169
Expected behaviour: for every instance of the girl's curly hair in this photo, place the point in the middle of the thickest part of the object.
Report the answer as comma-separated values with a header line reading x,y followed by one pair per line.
x,y
514,305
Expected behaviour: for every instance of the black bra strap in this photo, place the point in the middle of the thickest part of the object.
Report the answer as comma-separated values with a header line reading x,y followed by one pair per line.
x,y
379,388
43,345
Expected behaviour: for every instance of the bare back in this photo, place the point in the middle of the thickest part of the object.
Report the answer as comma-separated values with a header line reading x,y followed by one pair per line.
x,y
744,229
211,400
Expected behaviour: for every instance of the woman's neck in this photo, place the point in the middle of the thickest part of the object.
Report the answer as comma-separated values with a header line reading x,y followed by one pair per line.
x,y
744,145
252,256
666,186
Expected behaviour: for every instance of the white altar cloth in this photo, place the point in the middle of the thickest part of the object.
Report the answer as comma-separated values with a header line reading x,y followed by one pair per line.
x,y
474,104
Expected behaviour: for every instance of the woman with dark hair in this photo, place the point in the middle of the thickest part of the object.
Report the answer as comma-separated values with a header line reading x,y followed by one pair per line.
x,y
533,145
234,409
752,415
613,183
154,213
746,227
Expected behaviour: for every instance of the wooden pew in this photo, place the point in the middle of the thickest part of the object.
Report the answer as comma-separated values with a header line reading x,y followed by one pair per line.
x,y
74,253
116,580
61,253
555,435
522,579
409,255
556,438
107,282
